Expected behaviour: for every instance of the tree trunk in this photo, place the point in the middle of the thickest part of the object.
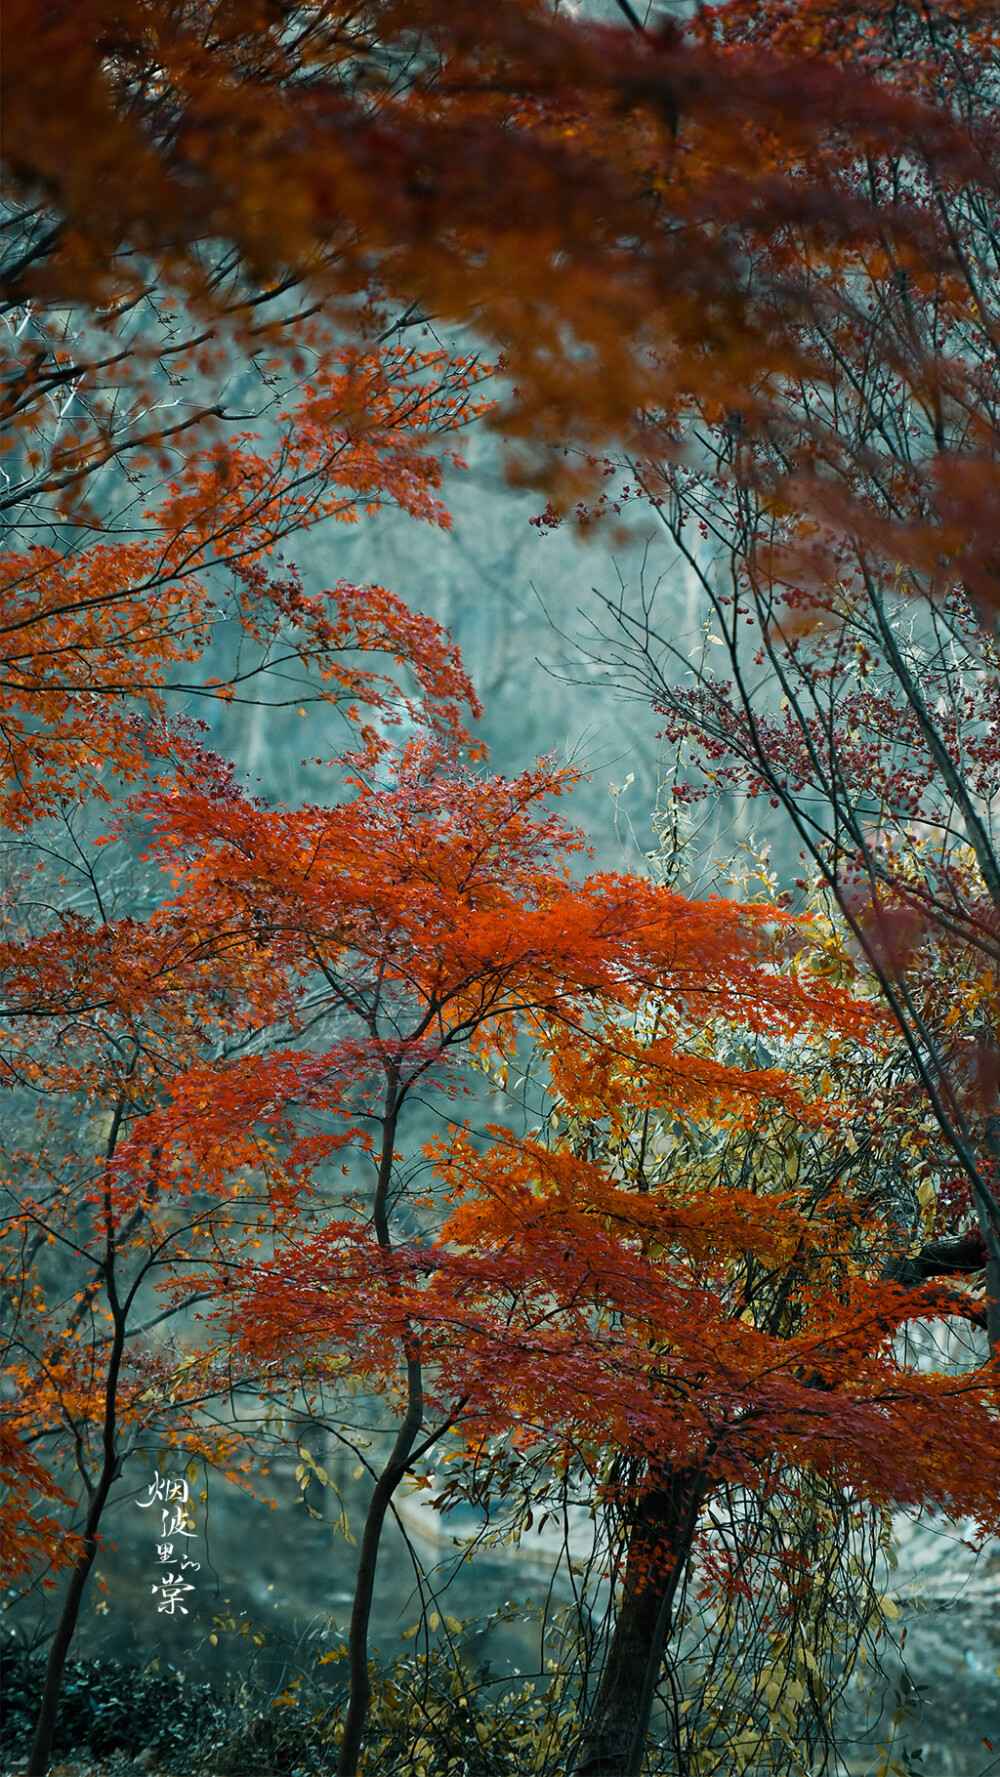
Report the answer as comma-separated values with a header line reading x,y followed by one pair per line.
x,y
659,1545
364,1587
992,1291
41,1749
993,1307
391,1476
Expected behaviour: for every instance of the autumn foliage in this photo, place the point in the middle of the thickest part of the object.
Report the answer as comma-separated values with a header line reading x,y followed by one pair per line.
x,y
305,973
682,1279
650,222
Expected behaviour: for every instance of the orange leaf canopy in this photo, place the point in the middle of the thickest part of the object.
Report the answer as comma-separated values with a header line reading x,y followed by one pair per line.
x,y
649,221
433,910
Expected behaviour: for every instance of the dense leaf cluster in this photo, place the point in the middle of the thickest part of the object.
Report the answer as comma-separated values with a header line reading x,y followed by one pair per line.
x,y
110,1707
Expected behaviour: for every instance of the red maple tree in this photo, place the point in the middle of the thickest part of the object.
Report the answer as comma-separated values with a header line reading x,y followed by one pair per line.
x,y
588,1307
670,233
596,196
428,910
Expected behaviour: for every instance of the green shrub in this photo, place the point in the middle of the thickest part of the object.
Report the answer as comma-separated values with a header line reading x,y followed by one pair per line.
x,y
107,1706
428,1718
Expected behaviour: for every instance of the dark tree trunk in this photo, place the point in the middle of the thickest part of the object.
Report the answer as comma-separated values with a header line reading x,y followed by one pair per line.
x,y
992,1291
659,1546
41,1749
111,1463
389,1480
958,1255
364,1588
993,1307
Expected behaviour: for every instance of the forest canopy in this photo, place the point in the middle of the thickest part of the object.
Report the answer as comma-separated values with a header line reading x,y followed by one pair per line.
x,y
680,1213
